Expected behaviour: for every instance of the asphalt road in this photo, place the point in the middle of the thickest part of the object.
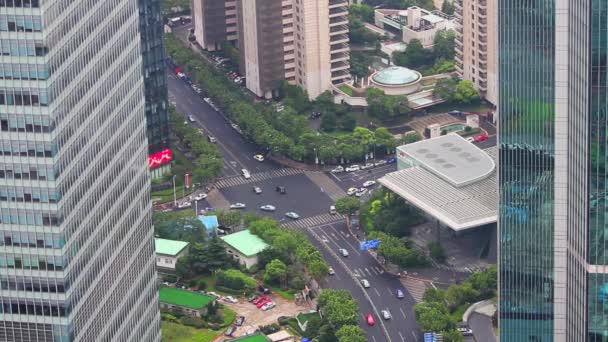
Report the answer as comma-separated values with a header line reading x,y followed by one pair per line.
x,y
482,327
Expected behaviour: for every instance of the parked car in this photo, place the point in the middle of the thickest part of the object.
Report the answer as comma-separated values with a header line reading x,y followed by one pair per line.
x,y
369,183
268,306
259,157
238,206
281,189
191,118
386,314
264,289
365,283
257,190
239,321
400,294
352,191
337,169
391,160
268,207
353,168
292,215
481,137
263,302
252,298
370,319
230,299
367,166
380,162
200,197
331,271
343,251
211,293
258,299
465,331
184,205
231,329
245,173
470,139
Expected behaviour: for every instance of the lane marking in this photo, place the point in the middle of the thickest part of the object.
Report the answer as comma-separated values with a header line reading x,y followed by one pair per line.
x,y
374,338
334,175
368,272
331,226
377,292
403,313
415,337
402,338
390,293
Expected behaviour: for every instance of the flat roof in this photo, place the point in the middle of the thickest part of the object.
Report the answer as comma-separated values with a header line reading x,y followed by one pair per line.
x,y
169,247
245,242
251,338
451,158
432,18
459,208
189,299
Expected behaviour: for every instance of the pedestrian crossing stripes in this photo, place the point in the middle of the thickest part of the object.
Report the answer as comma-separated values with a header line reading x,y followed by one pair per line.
x,y
231,181
462,269
314,221
415,287
367,271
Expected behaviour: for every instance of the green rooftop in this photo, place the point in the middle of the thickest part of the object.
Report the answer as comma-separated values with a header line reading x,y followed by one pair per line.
x,y
169,247
245,242
251,338
189,299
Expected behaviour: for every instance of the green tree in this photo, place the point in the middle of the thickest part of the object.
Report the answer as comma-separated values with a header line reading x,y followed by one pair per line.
x,y
466,92
351,333
182,267
362,11
433,317
414,56
452,335
433,295
457,295
269,254
445,88
348,122
318,268
347,205
327,333
313,326
448,8
329,122
444,44
410,137
172,226
276,272
339,307
385,138
229,218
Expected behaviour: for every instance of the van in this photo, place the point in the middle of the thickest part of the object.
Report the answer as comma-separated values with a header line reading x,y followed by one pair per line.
x,y
332,210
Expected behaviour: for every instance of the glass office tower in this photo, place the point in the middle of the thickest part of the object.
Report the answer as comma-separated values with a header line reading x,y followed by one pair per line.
x,y
76,252
553,190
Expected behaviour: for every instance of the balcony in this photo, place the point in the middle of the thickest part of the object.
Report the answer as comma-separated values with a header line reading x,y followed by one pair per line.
x,y
482,57
342,29
483,76
483,21
483,40
340,76
482,31
458,4
458,57
459,30
483,13
483,86
337,3
337,39
338,12
340,56
338,21
459,67
459,40
341,47
338,66
482,4
483,66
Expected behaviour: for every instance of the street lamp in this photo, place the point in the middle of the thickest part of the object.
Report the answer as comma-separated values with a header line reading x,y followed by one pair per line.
x,y
174,195
195,208
316,157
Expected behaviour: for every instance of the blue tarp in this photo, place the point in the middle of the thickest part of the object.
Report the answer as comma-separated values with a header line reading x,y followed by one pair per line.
x,y
210,221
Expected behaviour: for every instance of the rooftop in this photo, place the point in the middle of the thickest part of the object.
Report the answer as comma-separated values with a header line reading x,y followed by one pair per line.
x,y
169,247
252,338
396,75
245,242
210,222
433,19
189,299
451,158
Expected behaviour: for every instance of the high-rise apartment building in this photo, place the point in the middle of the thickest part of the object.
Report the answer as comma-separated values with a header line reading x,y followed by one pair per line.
x,y
303,42
77,251
476,45
553,162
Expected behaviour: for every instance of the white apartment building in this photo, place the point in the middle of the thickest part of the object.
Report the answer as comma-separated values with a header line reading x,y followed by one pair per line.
x,y
414,23
77,252
476,45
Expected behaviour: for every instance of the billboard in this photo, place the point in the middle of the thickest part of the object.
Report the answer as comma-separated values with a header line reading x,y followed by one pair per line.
x,y
159,158
368,244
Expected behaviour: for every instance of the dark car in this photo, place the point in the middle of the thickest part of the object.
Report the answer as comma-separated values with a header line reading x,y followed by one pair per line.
x,y
239,321
231,329
263,289
391,160
280,189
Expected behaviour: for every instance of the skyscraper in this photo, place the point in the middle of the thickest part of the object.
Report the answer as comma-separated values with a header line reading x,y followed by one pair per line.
x,y
77,251
553,150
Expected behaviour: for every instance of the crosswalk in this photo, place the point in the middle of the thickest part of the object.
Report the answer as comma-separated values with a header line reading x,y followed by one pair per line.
x,y
363,272
462,269
231,181
314,221
327,184
415,287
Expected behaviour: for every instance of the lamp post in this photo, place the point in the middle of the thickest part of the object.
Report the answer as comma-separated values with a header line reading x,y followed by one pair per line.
x,y
174,195
195,208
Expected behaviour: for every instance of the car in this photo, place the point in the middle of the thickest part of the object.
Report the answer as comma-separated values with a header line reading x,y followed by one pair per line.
x,y
481,137
365,283
361,192
257,190
211,293
200,197
465,331
239,321
252,298
332,210
212,139
370,319
367,166
353,168
470,139
343,251
386,314
268,207
380,162
221,231
231,329
258,299
263,302
238,206
259,157
352,191
330,270
280,189
230,299
180,74
191,118
369,183
292,215
264,289
184,205
245,173
391,160
400,294
337,169
268,306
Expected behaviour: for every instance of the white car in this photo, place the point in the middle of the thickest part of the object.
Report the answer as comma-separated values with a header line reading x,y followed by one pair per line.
x,y
259,157
367,166
214,294
257,190
361,192
369,183
353,168
386,314
380,162
470,139
191,118
184,205
230,299
292,215
268,306
352,191
200,197
245,173
238,206
343,251
337,169
365,283
465,331
331,271
268,207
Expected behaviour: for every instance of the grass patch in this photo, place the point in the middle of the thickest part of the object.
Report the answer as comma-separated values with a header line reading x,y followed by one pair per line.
x,y
456,316
229,315
304,317
252,338
174,332
287,294
346,89
185,298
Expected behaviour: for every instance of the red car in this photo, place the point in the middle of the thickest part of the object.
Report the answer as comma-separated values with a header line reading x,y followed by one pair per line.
x,y
370,319
258,299
262,302
177,70
481,137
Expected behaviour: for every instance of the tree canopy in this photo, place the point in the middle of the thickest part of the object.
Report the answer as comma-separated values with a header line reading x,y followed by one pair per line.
x,y
351,333
339,307
347,205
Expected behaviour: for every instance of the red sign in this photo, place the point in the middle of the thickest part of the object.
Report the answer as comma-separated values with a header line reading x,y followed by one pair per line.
x,y
187,181
159,158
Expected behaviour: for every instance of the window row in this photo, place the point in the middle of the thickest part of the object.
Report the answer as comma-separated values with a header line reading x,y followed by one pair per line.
x,y
24,97
38,309
27,172
20,3
27,149
30,217
28,195
32,240
14,47
30,262
26,123
20,23
24,72
30,284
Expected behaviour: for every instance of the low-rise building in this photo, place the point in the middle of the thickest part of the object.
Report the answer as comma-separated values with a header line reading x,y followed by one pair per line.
x,y
244,247
167,253
414,23
192,303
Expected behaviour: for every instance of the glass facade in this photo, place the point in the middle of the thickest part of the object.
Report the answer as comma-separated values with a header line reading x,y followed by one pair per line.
x,y
526,177
76,240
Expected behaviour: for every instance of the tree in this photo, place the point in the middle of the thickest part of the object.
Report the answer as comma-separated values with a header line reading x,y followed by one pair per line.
x,y
318,268
444,44
433,317
433,295
385,138
445,88
327,334
351,333
348,122
410,137
385,106
276,272
347,205
173,227
313,327
415,55
339,307
448,8
452,335
361,11
329,122
182,267
466,92
229,218
457,295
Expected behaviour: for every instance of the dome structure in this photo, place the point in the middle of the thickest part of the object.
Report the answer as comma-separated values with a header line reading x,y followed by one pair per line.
x,y
396,80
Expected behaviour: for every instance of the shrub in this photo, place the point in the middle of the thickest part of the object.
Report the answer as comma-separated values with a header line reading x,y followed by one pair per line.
x,y
202,284
437,252
468,129
234,279
269,329
193,322
168,317
284,320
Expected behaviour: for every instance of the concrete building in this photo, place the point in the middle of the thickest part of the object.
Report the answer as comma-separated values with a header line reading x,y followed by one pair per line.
x,y
77,252
244,247
189,302
167,253
302,42
476,45
414,23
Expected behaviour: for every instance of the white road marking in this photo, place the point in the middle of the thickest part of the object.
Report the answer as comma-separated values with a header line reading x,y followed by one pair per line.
x,y
337,178
345,240
377,292
402,338
403,313
374,338
375,272
368,272
415,337
389,291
